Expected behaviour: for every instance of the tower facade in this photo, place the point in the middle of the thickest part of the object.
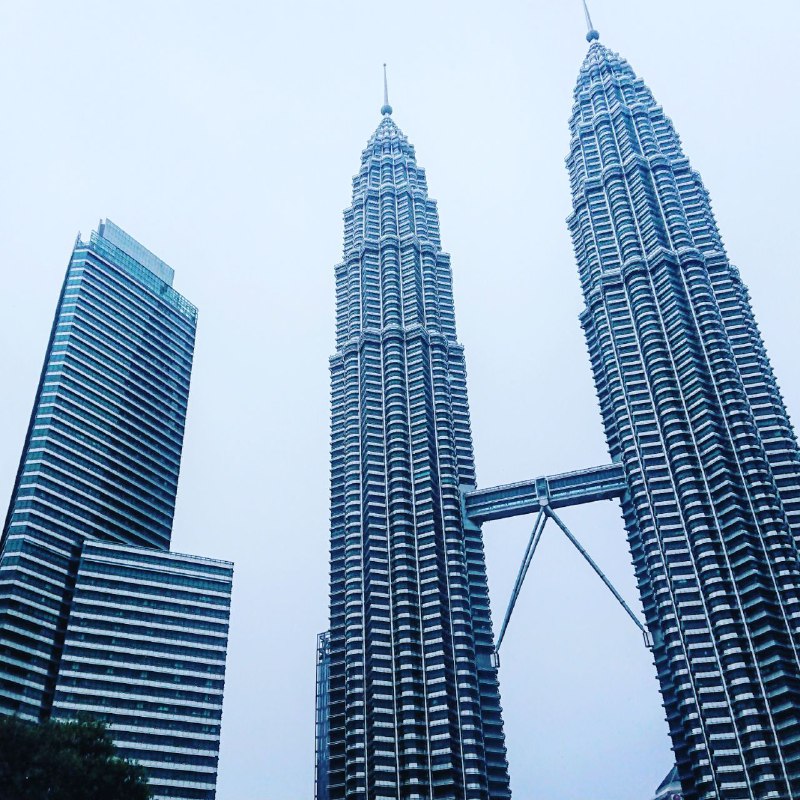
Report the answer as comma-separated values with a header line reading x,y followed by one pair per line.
x,y
412,701
693,414
95,615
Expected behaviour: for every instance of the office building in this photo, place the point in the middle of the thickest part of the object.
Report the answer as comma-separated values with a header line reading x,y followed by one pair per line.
x,y
93,504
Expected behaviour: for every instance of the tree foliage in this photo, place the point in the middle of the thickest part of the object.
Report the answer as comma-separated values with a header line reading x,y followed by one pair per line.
x,y
65,761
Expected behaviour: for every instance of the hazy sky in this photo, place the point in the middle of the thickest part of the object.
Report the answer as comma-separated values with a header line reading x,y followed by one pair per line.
x,y
223,136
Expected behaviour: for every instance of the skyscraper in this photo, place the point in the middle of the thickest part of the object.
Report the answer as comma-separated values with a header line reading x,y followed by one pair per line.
x,y
96,485
693,414
413,702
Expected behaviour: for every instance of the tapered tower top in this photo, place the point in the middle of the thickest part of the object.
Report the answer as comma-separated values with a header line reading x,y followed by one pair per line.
x,y
592,35
386,109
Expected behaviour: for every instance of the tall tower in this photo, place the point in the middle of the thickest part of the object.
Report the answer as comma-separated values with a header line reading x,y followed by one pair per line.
x,y
102,455
413,703
96,616
693,414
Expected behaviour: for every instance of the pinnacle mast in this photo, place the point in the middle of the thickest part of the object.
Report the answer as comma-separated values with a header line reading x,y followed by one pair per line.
x,y
386,109
592,34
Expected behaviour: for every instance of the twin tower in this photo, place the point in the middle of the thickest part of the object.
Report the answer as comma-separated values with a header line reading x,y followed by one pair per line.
x,y
705,459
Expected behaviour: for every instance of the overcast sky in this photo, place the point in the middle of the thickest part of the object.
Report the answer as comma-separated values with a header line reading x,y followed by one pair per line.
x,y
223,136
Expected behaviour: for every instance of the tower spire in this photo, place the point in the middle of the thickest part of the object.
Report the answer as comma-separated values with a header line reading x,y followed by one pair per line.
x,y
386,108
592,35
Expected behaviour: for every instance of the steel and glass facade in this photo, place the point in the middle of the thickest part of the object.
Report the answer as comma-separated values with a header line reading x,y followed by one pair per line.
x,y
145,652
413,701
99,467
693,415
103,450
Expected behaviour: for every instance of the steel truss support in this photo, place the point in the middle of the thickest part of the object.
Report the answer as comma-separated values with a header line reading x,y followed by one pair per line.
x,y
533,542
545,513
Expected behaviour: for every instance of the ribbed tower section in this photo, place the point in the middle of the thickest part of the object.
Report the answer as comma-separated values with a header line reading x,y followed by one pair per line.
x,y
692,410
414,707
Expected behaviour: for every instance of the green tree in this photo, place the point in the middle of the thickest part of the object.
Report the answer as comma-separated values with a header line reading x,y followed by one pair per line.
x,y
65,761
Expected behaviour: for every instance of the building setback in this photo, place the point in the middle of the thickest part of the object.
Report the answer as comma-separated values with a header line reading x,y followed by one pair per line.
x,y
92,506
693,414
145,651
413,701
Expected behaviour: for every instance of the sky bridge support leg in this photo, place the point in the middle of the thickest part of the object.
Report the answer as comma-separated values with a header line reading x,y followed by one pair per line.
x,y
545,513
593,564
533,542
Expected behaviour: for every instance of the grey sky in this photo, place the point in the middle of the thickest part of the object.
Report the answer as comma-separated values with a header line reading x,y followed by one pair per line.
x,y
223,136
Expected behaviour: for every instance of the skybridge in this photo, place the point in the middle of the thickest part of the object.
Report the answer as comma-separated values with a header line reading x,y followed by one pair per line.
x,y
560,491
542,496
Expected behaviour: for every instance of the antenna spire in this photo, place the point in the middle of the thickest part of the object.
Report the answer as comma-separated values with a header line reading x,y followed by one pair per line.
x,y
386,108
592,35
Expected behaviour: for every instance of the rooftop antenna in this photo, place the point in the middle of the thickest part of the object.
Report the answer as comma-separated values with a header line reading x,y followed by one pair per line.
x,y
386,108
592,35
